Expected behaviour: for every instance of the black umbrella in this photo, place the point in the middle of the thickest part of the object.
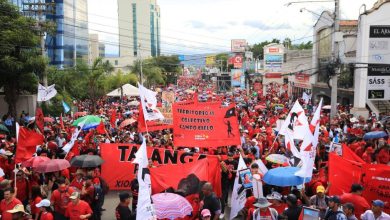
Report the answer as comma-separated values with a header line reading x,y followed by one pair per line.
x,y
85,161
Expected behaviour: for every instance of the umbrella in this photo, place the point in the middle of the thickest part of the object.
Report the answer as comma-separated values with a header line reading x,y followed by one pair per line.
x,y
277,158
80,114
90,119
126,123
46,129
85,161
135,103
171,206
260,107
284,176
52,166
135,111
47,119
2,127
128,113
327,107
374,135
90,126
34,161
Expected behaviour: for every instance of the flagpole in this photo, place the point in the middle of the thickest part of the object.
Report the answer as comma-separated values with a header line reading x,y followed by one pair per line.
x,y
273,144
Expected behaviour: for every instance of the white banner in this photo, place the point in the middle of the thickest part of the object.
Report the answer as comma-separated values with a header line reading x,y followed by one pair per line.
x,y
46,93
238,199
149,104
145,208
296,121
70,144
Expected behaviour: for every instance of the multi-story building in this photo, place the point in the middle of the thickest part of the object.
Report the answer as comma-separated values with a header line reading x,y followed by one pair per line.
x,y
70,41
95,49
139,31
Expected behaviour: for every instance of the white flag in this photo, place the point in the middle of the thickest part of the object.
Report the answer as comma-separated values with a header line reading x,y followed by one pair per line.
x,y
239,192
309,145
149,104
296,121
145,208
70,144
46,93
289,143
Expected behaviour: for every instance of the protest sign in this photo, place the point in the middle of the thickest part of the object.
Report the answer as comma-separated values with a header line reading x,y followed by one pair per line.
x,y
168,98
205,127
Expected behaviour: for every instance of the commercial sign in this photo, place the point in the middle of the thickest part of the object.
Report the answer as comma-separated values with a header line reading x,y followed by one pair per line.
x,y
238,45
257,86
209,60
237,61
238,78
273,64
378,73
302,77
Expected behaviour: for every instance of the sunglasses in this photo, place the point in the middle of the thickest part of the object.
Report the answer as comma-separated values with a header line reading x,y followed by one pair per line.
x,y
19,175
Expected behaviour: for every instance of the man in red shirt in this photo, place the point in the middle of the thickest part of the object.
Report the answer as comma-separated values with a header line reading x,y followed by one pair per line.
x,y
24,188
355,197
56,201
367,155
383,155
8,203
88,190
78,209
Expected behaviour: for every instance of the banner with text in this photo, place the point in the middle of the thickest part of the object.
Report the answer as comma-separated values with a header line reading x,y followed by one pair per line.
x,y
205,127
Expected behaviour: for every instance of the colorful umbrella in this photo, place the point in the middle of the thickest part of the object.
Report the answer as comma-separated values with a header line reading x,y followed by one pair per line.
x,y
260,107
135,103
90,119
134,111
171,206
284,176
277,158
80,114
85,161
90,126
34,161
126,123
327,107
52,166
47,119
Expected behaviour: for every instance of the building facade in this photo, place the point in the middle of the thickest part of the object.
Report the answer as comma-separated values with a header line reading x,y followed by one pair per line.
x,y
139,31
273,59
95,49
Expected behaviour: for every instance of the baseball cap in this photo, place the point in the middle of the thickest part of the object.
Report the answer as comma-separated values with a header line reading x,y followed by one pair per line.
x,y
74,195
378,203
205,213
43,203
87,177
320,189
335,199
357,187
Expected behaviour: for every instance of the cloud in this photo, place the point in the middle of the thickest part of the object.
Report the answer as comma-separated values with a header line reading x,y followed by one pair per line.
x,y
201,25
253,23
260,25
232,23
196,24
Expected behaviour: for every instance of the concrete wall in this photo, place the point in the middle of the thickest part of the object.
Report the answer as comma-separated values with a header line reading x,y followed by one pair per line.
x,y
26,103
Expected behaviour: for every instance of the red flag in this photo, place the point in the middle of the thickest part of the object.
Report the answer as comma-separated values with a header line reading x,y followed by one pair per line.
x,y
40,120
27,142
350,155
113,118
101,129
61,122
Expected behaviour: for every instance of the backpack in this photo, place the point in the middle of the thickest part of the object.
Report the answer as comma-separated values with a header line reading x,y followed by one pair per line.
x,y
97,199
309,191
326,200
64,199
103,185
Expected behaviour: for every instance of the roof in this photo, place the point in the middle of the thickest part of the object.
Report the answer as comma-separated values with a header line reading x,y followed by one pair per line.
x,y
348,22
350,53
128,90
376,6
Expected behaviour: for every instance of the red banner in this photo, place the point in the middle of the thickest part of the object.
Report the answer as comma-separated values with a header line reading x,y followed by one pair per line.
x,y
257,87
205,127
376,180
40,120
118,171
342,174
237,61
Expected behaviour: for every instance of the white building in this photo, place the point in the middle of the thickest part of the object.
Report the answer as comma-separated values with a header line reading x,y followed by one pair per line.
x,y
95,49
139,32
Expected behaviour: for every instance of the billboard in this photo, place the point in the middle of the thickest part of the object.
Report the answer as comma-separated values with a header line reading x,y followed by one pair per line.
x,y
273,65
209,60
237,61
238,78
257,86
238,45
302,77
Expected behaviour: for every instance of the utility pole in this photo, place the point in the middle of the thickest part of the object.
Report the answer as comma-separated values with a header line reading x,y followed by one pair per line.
x,y
333,100
37,8
140,63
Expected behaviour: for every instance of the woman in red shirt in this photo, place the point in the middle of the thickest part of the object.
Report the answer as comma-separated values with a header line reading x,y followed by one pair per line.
x,y
36,197
45,210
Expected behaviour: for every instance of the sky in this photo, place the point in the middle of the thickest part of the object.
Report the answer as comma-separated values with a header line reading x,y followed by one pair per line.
x,y
192,27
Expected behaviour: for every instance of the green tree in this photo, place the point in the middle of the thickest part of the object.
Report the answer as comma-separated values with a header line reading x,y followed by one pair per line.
x,y
20,59
224,57
257,49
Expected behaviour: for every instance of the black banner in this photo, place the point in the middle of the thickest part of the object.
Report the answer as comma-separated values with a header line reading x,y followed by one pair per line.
x,y
378,70
380,31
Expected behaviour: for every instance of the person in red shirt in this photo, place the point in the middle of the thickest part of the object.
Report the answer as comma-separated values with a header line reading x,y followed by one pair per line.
x,y
367,155
18,213
355,197
264,210
45,210
314,183
55,200
36,197
24,187
88,190
8,203
78,209
383,155
277,202
77,183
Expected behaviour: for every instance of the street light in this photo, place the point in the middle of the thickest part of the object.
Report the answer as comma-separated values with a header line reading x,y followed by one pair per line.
x,y
290,3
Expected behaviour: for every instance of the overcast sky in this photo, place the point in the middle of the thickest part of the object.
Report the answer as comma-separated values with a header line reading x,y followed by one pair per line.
x,y
206,26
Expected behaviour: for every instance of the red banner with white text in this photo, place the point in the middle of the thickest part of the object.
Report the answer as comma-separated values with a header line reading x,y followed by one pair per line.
x,y
199,126
118,171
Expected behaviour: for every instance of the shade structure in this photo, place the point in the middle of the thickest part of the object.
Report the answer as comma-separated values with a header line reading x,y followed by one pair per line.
x,y
277,158
128,90
86,161
47,119
34,161
90,119
52,166
374,135
126,123
284,176
171,206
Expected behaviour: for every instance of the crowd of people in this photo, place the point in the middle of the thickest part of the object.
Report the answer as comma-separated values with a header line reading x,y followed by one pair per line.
x,y
72,192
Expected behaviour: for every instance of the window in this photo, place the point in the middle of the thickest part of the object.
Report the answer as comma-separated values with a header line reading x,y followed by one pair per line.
x,y
152,7
116,62
135,53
